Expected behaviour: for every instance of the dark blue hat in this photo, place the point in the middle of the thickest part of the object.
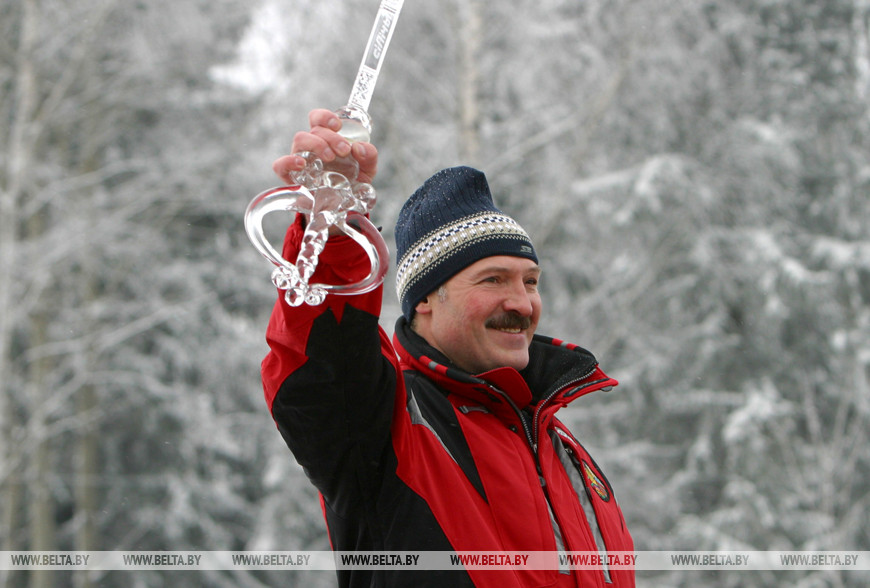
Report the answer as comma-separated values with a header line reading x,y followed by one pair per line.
x,y
449,223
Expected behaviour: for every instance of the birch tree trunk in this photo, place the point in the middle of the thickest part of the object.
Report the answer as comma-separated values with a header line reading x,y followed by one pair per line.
x,y
86,460
468,63
40,471
13,186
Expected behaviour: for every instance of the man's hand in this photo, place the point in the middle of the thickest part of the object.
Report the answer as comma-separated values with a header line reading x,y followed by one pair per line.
x,y
323,139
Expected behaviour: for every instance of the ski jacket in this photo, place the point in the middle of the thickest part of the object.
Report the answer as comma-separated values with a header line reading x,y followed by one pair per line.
x,y
412,454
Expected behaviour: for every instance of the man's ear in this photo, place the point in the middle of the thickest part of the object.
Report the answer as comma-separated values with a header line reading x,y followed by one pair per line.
x,y
424,306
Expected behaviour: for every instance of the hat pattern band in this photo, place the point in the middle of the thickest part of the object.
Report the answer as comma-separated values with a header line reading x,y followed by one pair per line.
x,y
438,246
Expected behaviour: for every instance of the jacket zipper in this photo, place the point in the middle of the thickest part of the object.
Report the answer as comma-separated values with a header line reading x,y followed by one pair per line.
x,y
533,446
531,434
526,429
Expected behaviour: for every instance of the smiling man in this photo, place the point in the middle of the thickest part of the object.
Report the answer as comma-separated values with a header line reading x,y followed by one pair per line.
x,y
485,316
444,438
451,238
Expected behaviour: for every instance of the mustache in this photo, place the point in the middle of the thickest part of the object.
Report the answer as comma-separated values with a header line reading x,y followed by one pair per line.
x,y
509,320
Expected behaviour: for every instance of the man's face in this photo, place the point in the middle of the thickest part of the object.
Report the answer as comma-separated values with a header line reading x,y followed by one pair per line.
x,y
485,316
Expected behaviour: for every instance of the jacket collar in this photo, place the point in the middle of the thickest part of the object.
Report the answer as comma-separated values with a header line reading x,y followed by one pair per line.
x,y
555,370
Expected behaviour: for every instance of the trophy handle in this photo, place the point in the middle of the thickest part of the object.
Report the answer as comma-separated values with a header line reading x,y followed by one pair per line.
x,y
359,228
282,199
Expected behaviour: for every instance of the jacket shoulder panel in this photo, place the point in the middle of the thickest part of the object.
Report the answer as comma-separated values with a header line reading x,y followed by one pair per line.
x,y
428,406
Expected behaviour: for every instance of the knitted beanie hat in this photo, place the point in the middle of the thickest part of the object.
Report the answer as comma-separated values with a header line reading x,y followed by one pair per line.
x,y
449,223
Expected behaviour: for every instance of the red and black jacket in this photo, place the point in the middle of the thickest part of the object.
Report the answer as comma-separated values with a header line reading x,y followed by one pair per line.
x,y
412,454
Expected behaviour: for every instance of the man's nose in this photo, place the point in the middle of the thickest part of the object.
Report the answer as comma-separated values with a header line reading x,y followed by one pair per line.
x,y
518,299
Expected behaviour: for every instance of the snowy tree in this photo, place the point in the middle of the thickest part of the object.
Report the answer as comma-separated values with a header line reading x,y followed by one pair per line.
x,y
127,335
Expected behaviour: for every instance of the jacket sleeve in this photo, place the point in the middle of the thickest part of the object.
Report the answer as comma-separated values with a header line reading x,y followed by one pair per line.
x,y
330,376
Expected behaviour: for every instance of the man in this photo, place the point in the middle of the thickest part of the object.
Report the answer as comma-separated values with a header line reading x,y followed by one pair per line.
x,y
445,438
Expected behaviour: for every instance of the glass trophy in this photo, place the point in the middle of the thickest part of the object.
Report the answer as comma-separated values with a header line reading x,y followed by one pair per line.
x,y
331,195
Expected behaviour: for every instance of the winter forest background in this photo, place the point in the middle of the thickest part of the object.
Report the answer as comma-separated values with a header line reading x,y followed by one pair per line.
x,y
696,174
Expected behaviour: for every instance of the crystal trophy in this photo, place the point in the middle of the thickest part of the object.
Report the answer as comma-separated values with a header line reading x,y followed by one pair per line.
x,y
331,195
